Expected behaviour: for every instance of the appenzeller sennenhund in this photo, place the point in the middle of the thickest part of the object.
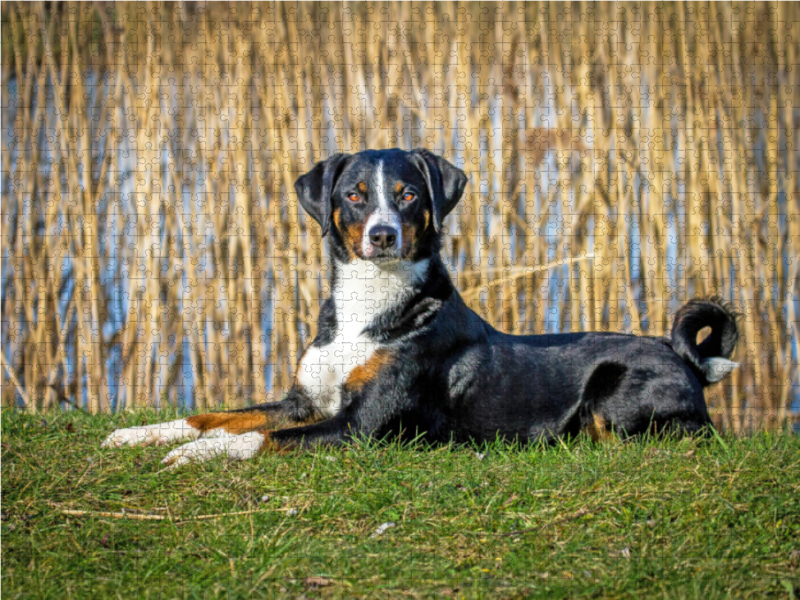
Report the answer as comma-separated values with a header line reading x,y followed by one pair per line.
x,y
398,349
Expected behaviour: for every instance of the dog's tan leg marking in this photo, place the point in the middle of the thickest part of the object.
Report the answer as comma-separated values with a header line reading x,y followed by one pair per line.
x,y
235,423
361,375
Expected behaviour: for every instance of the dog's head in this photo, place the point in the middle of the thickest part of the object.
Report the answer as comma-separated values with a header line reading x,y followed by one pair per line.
x,y
382,205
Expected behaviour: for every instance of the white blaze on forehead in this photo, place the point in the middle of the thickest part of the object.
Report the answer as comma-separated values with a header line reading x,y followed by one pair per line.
x,y
380,183
384,214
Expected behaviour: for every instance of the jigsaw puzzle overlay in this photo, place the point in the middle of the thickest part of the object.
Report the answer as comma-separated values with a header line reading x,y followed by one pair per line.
x,y
622,159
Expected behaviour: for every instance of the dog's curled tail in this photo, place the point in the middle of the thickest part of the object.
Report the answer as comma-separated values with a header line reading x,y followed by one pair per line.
x,y
709,359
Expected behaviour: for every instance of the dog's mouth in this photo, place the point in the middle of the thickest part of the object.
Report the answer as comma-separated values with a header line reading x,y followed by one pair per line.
x,y
375,254
383,256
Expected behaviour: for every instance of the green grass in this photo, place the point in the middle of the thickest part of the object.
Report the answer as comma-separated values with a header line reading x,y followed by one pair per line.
x,y
671,518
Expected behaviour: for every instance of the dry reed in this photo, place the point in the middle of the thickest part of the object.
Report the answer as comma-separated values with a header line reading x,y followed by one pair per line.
x,y
623,158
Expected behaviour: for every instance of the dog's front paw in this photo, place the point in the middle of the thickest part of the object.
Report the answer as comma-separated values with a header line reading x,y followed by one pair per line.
x,y
238,447
131,436
147,435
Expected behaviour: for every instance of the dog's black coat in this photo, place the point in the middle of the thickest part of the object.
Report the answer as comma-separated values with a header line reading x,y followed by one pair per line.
x,y
454,377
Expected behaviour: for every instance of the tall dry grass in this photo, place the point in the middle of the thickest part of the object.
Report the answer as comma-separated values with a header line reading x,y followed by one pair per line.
x,y
623,158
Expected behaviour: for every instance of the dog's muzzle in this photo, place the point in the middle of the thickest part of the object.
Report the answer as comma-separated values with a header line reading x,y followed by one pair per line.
x,y
382,241
383,237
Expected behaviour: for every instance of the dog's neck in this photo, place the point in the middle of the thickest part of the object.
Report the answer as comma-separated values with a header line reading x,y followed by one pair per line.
x,y
363,290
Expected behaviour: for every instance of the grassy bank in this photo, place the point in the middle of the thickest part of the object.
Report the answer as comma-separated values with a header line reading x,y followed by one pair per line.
x,y
676,518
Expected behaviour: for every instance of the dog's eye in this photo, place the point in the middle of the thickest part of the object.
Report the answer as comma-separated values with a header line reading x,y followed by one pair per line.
x,y
354,197
409,196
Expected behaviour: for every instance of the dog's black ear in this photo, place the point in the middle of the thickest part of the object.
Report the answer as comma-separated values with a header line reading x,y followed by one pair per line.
x,y
314,189
445,181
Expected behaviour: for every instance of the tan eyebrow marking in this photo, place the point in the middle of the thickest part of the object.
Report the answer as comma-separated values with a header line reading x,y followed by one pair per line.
x,y
362,186
399,186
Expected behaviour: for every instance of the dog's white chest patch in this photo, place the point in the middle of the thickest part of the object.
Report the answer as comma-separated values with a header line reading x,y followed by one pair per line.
x,y
362,292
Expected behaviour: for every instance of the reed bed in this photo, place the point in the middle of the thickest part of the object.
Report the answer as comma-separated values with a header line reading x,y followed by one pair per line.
x,y
623,158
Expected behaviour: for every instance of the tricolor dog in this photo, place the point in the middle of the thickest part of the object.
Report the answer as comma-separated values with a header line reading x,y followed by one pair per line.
x,y
398,349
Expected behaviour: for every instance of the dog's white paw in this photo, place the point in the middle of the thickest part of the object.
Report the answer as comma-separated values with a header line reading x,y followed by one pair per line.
x,y
147,435
218,443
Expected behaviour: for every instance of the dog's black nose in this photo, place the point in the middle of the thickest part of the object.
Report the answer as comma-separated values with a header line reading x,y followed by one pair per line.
x,y
382,236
